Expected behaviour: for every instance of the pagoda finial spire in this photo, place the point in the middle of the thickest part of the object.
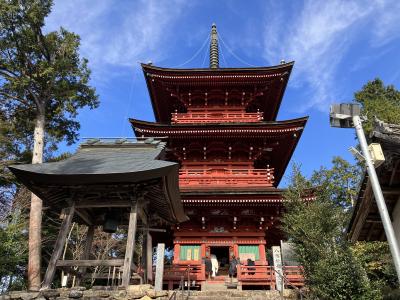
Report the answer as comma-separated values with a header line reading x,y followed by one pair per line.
x,y
214,53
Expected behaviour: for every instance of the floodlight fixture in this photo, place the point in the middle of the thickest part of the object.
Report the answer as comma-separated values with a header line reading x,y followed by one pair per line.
x,y
357,153
341,115
348,115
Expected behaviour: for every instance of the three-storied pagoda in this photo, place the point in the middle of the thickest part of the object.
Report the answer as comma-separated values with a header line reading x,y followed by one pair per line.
x,y
220,126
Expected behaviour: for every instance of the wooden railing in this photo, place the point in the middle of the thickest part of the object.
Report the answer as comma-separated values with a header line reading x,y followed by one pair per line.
x,y
294,275
257,275
296,281
176,271
222,177
185,274
215,117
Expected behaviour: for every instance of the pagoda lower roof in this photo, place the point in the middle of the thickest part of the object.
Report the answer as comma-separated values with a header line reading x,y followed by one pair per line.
x,y
285,134
107,169
272,80
265,197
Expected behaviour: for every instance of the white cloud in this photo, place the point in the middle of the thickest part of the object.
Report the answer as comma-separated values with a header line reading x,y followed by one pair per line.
x,y
318,37
118,33
387,23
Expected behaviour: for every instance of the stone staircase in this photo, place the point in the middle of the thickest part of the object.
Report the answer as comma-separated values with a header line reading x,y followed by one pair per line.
x,y
223,288
221,284
236,295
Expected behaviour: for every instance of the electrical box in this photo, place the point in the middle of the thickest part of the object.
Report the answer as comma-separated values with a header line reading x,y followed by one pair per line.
x,y
376,152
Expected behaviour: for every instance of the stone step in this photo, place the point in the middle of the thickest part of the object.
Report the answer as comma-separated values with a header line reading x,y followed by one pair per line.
x,y
214,287
237,295
216,298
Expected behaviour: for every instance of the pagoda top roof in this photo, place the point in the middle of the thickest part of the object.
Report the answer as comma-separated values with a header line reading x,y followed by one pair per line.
x,y
269,83
216,71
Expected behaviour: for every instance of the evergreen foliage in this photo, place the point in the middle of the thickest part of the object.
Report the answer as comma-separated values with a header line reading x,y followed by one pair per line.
x,y
380,101
317,228
43,84
377,261
41,73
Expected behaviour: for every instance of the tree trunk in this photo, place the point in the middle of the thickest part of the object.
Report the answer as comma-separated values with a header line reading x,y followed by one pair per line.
x,y
35,217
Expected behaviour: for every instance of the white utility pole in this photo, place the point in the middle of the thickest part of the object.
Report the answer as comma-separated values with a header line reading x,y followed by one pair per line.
x,y
380,201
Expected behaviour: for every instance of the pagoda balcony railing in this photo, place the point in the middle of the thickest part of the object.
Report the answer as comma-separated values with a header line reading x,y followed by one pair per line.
x,y
193,178
215,117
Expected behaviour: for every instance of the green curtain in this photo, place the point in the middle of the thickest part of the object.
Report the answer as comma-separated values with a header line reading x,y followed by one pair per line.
x,y
249,249
194,252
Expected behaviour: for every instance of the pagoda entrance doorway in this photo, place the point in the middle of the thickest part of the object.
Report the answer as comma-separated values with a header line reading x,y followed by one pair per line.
x,y
222,254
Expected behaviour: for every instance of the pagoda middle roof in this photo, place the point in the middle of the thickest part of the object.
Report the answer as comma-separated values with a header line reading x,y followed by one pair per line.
x,y
273,79
285,133
224,128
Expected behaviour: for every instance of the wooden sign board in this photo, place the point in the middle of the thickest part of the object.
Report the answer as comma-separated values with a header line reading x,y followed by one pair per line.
x,y
196,254
189,254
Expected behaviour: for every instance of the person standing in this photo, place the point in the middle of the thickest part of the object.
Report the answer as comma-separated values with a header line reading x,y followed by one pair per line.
x,y
233,267
251,263
208,266
214,263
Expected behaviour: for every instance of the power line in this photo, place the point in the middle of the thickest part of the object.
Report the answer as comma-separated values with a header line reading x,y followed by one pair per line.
x,y
205,53
223,56
130,103
195,55
233,54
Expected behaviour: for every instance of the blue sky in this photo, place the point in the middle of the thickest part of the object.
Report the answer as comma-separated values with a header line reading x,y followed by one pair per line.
x,y
337,45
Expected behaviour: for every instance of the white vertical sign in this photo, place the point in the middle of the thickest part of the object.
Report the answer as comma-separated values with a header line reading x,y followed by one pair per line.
x,y
159,267
277,257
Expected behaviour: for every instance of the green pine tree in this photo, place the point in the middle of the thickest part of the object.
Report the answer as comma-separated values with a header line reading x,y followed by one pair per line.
x,y
43,84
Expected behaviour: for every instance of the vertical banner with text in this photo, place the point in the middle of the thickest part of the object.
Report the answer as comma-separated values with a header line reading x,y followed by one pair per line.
x,y
277,257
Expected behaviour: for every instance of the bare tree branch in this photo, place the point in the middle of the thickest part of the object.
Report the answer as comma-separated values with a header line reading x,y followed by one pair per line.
x,y
23,101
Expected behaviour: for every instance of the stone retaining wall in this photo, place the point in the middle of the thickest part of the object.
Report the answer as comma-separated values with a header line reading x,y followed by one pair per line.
x,y
144,292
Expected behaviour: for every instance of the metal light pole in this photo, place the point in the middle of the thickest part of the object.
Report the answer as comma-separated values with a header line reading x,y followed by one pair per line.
x,y
341,115
380,201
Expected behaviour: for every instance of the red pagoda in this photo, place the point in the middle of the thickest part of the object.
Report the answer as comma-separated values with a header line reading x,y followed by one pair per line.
x,y
220,126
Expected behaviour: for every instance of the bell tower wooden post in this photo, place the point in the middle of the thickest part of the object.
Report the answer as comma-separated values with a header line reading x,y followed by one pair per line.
x,y
58,247
130,245
147,249
147,259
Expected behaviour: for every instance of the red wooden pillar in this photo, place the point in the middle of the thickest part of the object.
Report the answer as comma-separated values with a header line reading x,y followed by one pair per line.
x,y
177,249
203,250
236,250
261,249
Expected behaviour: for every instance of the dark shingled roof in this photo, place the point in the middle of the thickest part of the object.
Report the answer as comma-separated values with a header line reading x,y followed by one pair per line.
x,y
102,163
106,163
365,223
